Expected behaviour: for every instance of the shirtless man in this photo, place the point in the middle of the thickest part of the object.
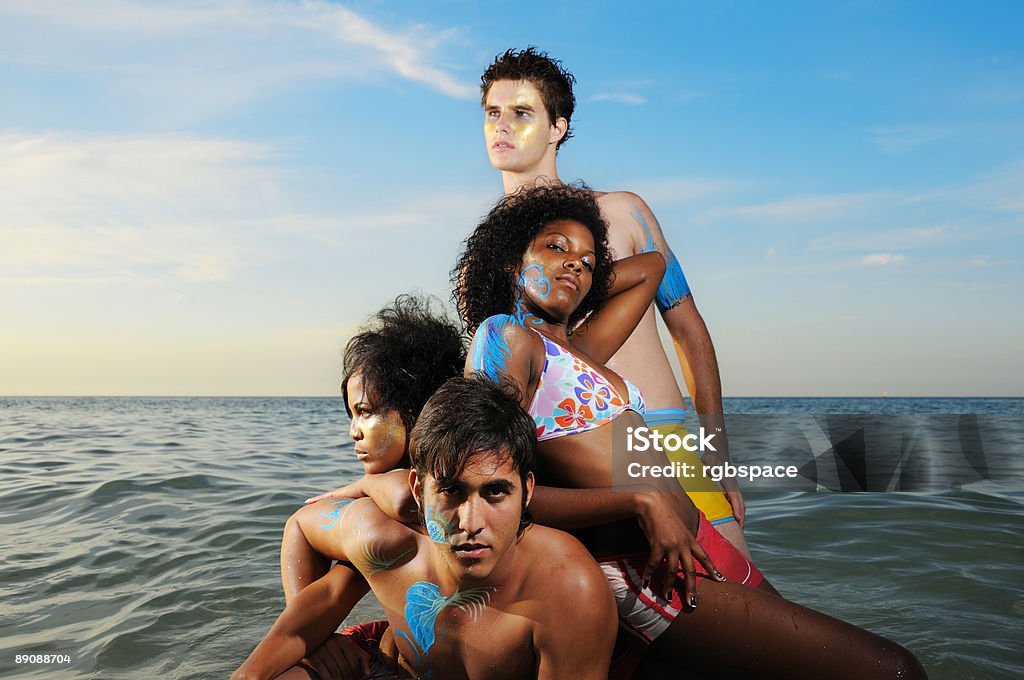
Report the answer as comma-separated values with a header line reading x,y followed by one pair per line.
x,y
474,590
528,104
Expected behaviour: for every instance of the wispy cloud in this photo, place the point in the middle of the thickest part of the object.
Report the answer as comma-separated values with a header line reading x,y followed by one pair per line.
x,y
808,208
1002,189
114,209
882,259
890,239
671,190
100,207
191,60
896,138
620,98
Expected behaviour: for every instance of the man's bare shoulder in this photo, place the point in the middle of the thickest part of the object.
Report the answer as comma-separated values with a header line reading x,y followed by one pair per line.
x,y
575,621
569,571
615,204
357,524
625,213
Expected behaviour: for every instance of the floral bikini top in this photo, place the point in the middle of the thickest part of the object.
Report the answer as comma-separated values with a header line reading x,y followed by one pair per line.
x,y
573,397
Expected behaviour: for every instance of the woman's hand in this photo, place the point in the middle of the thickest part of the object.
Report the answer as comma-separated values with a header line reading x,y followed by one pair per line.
x,y
739,506
661,516
340,657
353,490
389,490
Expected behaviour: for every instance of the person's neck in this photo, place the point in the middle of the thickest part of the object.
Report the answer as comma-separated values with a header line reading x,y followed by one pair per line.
x,y
530,317
447,580
559,331
544,173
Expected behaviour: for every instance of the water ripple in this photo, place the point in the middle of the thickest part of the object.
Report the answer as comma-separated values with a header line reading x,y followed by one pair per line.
x,y
141,537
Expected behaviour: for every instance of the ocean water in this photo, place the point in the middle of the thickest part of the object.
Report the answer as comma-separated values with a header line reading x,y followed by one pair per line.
x,y
139,537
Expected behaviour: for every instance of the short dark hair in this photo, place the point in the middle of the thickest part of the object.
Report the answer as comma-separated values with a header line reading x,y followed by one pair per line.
x,y
473,416
486,275
403,355
546,74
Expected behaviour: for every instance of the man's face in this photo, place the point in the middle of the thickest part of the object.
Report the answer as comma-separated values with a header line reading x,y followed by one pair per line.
x,y
517,127
474,519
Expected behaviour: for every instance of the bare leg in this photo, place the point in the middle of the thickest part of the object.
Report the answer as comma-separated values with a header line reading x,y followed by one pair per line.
x,y
737,631
732,533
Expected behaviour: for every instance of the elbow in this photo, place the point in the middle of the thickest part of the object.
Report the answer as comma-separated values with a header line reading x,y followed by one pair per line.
x,y
901,664
654,270
244,672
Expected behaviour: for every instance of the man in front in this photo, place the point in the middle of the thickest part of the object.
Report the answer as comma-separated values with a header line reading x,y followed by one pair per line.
x,y
528,105
475,590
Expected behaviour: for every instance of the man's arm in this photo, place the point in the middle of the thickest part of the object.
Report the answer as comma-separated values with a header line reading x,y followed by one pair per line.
x,y
692,341
301,565
304,625
576,640
353,531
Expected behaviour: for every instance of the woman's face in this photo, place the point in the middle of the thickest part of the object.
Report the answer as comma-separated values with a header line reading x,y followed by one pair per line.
x,y
558,269
379,434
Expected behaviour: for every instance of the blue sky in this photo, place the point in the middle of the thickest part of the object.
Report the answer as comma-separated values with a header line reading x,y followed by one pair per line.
x,y
208,198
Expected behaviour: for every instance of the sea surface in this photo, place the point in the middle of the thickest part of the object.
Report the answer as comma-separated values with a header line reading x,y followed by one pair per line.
x,y
139,536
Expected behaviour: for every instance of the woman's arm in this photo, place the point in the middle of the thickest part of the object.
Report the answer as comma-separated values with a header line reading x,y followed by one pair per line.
x,y
390,491
668,519
636,281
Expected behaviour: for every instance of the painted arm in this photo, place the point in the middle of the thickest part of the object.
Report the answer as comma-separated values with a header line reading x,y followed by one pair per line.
x,y
692,341
503,348
636,281
697,358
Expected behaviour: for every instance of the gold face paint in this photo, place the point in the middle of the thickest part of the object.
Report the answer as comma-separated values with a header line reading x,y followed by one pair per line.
x,y
378,433
517,128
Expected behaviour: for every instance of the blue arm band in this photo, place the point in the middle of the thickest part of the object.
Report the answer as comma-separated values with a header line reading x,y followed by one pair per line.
x,y
673,286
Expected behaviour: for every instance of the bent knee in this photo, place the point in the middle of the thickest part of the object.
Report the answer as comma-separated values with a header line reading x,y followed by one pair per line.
x,y
900,664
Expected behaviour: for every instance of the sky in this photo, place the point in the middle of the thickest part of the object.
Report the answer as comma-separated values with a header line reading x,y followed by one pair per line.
x,y
209,198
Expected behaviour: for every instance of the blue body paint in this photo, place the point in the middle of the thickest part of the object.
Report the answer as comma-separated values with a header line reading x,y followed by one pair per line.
x,y
438,528
375,561
336,513
423,604
490,353
673,286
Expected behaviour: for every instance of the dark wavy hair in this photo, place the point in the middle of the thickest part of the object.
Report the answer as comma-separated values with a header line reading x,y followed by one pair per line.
x,y
546,74
487,272
474,416
403,355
